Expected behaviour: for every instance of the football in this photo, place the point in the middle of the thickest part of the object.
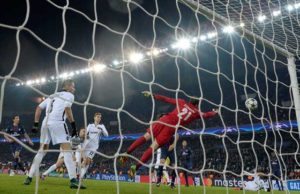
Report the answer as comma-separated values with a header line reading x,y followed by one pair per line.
x,y
251,103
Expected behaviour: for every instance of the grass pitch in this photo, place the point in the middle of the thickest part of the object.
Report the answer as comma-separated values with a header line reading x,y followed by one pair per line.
x,y
14,185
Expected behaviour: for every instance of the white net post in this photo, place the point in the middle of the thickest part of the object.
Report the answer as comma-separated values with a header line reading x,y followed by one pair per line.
x,y
295,87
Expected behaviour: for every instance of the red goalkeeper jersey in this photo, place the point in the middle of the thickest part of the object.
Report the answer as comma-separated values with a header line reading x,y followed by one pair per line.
x,y
184,113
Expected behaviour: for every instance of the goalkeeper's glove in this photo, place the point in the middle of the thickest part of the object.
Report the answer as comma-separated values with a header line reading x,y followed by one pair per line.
x,y
146,93
35,127
74,130
75,141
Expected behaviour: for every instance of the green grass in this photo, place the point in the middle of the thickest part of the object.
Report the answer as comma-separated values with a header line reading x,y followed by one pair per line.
x,y
14,185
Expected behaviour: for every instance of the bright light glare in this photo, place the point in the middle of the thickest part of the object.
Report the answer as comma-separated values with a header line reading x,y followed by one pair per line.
x,y
297,5
99,67
212,35
261,18
290,8
228,29
29,82
136,57
276,13
202,38
183,44
242,24
115,62
43,80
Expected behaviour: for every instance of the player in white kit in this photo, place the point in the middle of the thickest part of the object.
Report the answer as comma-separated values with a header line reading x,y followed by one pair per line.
x,y
54,128
256,184
60,160
93,133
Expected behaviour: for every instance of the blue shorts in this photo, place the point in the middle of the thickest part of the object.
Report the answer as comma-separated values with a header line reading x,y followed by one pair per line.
x,y
165,153
15,147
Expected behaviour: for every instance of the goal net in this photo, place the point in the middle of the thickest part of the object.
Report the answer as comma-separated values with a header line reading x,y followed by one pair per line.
x,y
220,52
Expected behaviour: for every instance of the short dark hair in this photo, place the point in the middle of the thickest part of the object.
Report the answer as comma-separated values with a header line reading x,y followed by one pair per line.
x,y
67,82
14,116
97,113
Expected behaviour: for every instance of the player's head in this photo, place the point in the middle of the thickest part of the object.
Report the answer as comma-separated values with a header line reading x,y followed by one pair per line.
x,y
184,143
16,119
82,132
97,117
68,85
195,101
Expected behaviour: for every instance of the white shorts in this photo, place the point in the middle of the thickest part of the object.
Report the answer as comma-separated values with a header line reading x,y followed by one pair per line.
x,y
251,186
89,152
78,154
57,132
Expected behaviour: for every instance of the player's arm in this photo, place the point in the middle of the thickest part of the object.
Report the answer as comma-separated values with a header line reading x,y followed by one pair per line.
x,y
10,140
104,131
70,117
161,98
209,114
172,146
28,139
37,115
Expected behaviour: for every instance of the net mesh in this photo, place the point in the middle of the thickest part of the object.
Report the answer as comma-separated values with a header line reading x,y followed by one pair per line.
x,y
220,52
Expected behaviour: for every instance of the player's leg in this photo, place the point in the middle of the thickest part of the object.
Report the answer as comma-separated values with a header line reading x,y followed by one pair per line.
x,y
70,165
59,163
163,157
137,143
36,162
171,156
18,156
45,139
160,170
89,155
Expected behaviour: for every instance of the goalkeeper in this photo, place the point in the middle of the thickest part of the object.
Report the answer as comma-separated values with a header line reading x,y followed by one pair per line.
x,y
164,128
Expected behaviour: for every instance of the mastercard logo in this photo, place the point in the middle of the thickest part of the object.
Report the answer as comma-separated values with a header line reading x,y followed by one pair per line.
x,y
207,182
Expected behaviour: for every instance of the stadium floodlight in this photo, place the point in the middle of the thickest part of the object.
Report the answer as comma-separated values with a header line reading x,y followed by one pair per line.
x,y
63,76
115,62
43,80
228,29
195,40
182,44
211,35
77,72
261,18
297,5
18,84
71,74
136,57
242,24
29,82
203,37
154,52
52,77
276,13
99,68
290,7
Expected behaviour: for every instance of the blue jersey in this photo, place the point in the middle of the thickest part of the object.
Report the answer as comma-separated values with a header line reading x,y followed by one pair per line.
x,y
15,131
186,155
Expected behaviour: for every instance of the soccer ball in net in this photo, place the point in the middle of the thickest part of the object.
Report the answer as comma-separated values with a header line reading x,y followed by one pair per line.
x,y
251,103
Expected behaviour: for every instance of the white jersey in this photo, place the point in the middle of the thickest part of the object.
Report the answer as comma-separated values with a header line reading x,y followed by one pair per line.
x,y
94,132
55,106
256,184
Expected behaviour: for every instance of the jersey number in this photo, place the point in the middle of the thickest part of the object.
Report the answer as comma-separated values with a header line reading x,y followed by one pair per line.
x,y
185,114
51,106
